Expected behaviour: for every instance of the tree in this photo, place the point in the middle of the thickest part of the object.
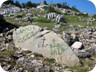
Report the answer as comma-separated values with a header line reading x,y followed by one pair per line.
x,y
17,4
23,5
45,2
29,4
9,2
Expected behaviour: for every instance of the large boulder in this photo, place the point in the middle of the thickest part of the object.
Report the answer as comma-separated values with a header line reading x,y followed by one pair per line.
x,y
44,42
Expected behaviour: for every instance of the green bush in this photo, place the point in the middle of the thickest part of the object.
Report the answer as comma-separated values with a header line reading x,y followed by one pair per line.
x,y
52,9
8,52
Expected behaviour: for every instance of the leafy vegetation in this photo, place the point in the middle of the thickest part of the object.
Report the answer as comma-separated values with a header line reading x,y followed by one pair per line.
x,y
42,20
85,67
8,52
52,9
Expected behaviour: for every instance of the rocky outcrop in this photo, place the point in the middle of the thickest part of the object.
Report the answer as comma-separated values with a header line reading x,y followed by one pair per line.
x,y
10,10
44,42
87,37
54,16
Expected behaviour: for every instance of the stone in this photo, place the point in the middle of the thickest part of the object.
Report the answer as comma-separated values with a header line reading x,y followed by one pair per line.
x,y
28,19
10,10
66,37
54,16
9,37
57,26
44,42
32,56
91,50
73,35
77,45
90,20
43,5
87,36
7,67
29,14
63,10
94,34
68,70
32,63
1,34
59,18
82,53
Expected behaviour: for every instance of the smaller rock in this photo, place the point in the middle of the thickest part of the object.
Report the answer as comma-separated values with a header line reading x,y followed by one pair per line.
x,y
7,67
32,56
73,35
77,45
1,34
66,37
67,70
91,50
82,53
57,26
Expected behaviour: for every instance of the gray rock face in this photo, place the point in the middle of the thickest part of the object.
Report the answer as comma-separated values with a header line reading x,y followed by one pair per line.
x,y
87,37
82,53
10,9
30,63
69,38
54,16
90,20
44,42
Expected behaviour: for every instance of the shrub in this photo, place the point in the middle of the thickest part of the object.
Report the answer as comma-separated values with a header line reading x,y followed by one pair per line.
x,y
52,9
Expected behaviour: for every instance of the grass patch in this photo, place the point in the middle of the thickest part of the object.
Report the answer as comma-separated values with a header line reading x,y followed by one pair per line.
x,y
42,20
20,15
38,55
8,52
49,61
48,25
85,67
52,9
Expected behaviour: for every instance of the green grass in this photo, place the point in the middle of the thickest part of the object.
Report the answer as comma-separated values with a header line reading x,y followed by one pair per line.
x,y
52,9
73,20
8,52
42,20
86,66
20,15
48,25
